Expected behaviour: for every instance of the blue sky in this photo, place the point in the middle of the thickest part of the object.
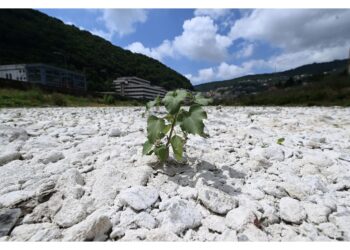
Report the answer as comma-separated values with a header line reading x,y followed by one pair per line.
x,y
218,44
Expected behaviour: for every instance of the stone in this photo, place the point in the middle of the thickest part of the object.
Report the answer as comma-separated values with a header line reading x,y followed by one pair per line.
x,y
160,234
316,213
145,220
342,221
178,215
254,234
139,197
8,219
72,212
51,157
117,233
291,210
12,134
239,217
135,234
187,193
6,157
36,232
115,132
330,230
227,235
216,200
215,223
93,228
13,198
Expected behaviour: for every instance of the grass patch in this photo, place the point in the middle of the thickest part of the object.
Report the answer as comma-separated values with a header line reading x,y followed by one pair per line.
x,y
38,98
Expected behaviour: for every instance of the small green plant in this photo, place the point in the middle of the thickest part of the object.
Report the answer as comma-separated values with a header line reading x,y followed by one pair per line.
x,y
280,141
163,132
59,99
108,99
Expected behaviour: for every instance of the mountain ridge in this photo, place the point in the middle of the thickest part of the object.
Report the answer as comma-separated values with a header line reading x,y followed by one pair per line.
x,y
313,68
30,36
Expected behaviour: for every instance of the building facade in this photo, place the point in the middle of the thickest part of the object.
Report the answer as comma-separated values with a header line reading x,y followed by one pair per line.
x,y
137,88
45,75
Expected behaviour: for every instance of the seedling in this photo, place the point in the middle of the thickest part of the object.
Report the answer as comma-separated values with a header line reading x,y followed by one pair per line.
x,y
163,132
280,141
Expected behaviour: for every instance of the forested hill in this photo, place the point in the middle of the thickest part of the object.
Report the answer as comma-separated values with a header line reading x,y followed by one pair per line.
x,y
310,69
29,36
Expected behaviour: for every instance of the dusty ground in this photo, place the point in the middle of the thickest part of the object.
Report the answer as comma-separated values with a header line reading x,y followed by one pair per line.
x,y
78,174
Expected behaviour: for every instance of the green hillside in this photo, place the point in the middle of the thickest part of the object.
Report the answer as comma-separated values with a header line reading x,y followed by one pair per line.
x,y
335,66
29,36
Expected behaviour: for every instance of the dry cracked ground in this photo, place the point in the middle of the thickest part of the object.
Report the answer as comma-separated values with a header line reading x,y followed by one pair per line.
x,y
77,174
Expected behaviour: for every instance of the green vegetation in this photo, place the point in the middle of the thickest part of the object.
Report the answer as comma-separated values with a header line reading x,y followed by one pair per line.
x,y
38,98
29,36
335,67
280,141
163,132
331,90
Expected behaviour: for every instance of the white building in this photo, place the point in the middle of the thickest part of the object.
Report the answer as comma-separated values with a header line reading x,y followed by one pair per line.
x,y
44,74
138,88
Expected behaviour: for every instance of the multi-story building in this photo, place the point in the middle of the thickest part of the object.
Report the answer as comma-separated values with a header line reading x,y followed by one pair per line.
x,y
45,75
138,88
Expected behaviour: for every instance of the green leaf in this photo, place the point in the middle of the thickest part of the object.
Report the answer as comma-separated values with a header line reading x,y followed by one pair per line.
x,y
166,129
155,127
153,103
280,141
201,100
147,148
162,152
173,100
192,121
177,144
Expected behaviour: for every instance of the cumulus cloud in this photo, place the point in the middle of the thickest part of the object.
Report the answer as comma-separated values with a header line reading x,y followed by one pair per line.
x,y
295,29
198,41
223,71
122,21
158,53
246,51
213,13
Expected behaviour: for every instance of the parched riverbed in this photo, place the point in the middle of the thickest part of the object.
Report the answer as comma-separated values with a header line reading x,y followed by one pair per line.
x,y
76,174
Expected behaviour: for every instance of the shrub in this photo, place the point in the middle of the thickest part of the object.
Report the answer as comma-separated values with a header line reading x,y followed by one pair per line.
x,y
108,99
162,132
58,100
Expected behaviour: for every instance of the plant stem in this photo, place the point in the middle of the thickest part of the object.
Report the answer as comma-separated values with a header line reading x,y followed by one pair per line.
x,y
171,130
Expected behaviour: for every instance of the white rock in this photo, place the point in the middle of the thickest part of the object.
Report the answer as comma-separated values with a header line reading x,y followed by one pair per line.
x,y
36,232
227,235
13,198
254,234
178,215
6,157
139,197
187,192
291,210
145,220
330,230
216,200
239,217
94,227
115,132
72,212
214,223
316,213
135,234
53,156
160,234
342,221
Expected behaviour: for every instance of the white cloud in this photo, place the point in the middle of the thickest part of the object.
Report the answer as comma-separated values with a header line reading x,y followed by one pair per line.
x,y
213,13
223,71
198,41
165,49
246,51
123,21
295,29
103,34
